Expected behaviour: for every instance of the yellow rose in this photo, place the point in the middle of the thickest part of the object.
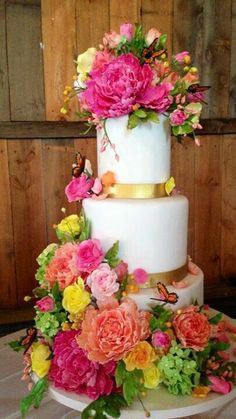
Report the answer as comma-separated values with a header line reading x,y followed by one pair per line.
x,y
40,363
140,357
75,297
152,376
85,60
70,225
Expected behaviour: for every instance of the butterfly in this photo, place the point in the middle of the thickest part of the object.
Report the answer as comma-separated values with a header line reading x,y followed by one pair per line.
x,y
27,340
166,296
149,54
78,166
195,88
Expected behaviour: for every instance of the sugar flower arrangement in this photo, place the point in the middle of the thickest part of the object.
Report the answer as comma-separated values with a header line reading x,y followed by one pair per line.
x,y
130,74
91,338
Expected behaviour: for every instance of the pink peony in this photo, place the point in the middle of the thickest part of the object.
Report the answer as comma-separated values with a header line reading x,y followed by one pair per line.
x,y
181,56
219,385
79,188
152,34
101,59
103,282
121,270
90,255
156,97
109,333
113,92
45,304
71,370
127,31
161,340
178,117
63,267
192,328
140,276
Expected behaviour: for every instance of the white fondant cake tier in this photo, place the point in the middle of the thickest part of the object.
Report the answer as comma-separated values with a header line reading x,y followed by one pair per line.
x,y
144,151
189,295
152,233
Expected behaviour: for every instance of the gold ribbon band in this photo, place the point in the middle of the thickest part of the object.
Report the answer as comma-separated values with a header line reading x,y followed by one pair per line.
x,y
165,277
136,190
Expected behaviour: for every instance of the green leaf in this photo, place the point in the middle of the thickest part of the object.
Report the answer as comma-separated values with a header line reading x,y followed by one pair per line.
x,y
216,319
104,406
162,41
85,230
16,345
122,288
56,293
220,346
153,116
130,389
133,121
40,292
120,373
140,113
112,255
35,397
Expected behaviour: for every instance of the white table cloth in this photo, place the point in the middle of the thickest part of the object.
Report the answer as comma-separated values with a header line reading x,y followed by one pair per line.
x,y
12,390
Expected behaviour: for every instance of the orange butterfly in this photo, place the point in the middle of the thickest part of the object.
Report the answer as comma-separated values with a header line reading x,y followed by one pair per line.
x,y
166,296
149,54
27,340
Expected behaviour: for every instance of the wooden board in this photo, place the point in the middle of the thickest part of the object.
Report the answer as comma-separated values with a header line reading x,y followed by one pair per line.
x,y
121,12
25,61
232,89
8,294
207,211
183,170
59,51
57,162
92,21
28,210
228,250
159,14
4,87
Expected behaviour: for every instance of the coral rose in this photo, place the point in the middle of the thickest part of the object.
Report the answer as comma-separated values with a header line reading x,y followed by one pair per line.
x,y
90,255
192,328
103,282
109,333
63,267
72,370
79,188
140,357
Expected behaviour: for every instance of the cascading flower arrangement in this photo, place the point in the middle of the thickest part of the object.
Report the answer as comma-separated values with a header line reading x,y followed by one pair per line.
x,y
91,338
130,74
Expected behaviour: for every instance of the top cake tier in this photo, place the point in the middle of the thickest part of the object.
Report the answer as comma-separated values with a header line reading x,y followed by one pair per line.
x,y
144,152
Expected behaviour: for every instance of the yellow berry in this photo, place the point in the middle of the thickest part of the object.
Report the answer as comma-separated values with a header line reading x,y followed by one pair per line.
x,y
163,56
166,64
124,294
27,298
193,70
143,393
187,59
168,324
186,68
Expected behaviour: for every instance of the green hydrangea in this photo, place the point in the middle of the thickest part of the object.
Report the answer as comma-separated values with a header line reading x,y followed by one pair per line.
x,y
49,323
43,260
179,370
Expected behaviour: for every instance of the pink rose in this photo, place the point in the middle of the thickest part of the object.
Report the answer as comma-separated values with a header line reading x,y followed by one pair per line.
x,y
219,385
121,270
45,304
101,59
144,321
113,91
152,34
140,276
126,30
192,328
103,282
181,56
90,255
97,186
111,39
109,333
161,340
177,117
79,188
156,97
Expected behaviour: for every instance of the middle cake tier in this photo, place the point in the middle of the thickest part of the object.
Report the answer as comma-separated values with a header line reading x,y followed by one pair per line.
x,y
152,233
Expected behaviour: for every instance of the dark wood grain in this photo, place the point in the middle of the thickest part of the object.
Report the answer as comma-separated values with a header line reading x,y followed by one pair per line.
x,y
232,88
25,61
4,87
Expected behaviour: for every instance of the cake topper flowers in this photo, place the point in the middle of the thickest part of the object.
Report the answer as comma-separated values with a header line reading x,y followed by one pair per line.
x,y
131,74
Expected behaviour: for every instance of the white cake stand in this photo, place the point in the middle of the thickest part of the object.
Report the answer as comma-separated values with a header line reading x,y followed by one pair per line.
x,y
159,402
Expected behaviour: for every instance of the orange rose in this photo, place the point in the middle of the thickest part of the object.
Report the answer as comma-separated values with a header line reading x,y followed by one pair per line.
x,y
140,357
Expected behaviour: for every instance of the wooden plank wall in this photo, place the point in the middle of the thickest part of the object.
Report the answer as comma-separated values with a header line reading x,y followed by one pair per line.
x,y
36,63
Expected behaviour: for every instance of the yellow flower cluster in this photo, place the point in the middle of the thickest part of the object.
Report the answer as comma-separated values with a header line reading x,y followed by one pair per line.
x,y
70,225
75,297
40,362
